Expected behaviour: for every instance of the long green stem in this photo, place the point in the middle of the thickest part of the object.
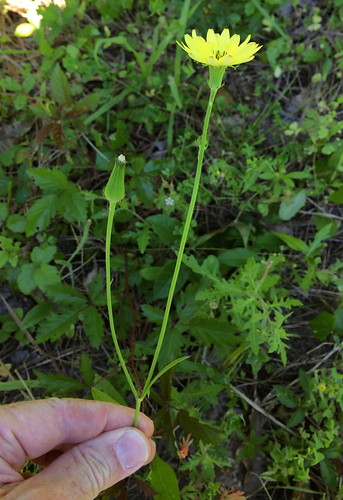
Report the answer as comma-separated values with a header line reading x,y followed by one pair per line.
x,y
109,301
183,241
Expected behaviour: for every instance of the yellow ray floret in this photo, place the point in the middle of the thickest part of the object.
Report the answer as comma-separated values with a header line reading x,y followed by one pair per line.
x,y
219,49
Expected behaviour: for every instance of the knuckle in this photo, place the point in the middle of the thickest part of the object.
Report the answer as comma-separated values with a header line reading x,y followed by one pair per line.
x,y
94,466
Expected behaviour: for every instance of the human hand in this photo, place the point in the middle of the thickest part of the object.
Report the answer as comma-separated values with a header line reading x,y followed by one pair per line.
x,y
85,447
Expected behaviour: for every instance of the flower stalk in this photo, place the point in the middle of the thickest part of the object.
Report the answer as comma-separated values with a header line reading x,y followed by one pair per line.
x,y
218,52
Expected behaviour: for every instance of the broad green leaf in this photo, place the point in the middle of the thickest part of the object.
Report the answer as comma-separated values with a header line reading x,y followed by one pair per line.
x,y
36,314
101,396
291,207
52,180
66,295
25,280
46,275
292,242
286,396
329,473
86,369
200,431
163,480
210,331
153,314
206,390
72,205
337,196
60,87
103,385
143,239
16,223
97,291
322,325
4,256
56,325
164,278
296,418
58,384
41,255
94,325
4,213
209,268
164,227
40,214
236,257
305,381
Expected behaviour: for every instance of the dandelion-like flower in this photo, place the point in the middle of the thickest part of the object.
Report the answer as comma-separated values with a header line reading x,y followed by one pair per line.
x,y
219,49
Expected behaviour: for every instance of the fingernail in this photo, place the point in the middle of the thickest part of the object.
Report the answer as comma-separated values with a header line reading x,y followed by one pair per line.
x,y
131,449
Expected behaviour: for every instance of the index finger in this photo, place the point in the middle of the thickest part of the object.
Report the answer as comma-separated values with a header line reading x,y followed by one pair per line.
x,y
32,428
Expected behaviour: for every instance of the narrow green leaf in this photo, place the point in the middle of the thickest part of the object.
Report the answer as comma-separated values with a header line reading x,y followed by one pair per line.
x,y
292,242
36,314
323,234
16,385
164,370
164,481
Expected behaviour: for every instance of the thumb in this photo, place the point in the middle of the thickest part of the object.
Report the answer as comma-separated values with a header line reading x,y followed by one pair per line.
x,y
89,468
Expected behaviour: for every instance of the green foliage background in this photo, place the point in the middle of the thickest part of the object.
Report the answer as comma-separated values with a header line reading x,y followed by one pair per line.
x,y
258,303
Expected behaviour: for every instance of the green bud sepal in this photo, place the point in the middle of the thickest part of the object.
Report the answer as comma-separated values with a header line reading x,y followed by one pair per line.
x,y
115,187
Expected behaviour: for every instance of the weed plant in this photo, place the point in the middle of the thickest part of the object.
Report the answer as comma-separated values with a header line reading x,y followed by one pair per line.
x,y
256,409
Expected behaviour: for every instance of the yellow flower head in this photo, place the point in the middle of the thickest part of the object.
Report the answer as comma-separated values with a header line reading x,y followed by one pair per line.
x,y
219,49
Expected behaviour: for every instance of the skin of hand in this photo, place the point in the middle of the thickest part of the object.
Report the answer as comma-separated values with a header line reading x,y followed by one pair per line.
x,y
84,447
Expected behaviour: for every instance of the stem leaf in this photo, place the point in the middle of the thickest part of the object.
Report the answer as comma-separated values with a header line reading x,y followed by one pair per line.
x,y
164,370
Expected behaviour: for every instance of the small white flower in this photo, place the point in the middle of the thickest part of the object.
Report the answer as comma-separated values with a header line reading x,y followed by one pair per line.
x,y
169,201
121,159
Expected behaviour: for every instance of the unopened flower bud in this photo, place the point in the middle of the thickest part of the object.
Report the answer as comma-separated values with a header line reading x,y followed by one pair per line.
x,y
115,187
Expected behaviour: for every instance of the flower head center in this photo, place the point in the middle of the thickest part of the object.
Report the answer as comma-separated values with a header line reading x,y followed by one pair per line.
x,y
220,53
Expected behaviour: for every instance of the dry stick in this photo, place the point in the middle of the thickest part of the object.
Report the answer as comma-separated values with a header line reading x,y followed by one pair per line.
x,y
262,410
27,333
24,384
7,373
